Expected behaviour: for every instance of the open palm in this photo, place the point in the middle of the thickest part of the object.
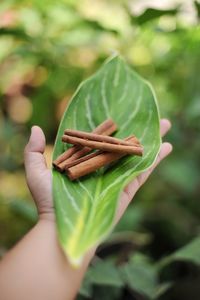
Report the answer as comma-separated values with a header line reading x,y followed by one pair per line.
x,y
39,177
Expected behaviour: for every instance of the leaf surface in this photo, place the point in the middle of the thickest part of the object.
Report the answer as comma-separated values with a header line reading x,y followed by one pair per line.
x,y
190,252
86,208
141,276
152,13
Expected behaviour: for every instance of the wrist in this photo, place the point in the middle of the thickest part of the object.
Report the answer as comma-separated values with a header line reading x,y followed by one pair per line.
x,y
46,210
48,221
46,216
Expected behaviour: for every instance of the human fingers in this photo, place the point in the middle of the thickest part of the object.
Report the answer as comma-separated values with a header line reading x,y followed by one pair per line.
x,y
33,153
39,178
131,189
165,126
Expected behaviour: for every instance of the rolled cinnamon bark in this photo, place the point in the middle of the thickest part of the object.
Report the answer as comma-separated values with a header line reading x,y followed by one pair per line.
x,y
77,158
92,164
80,153
81,159
107,127
98,137
123,149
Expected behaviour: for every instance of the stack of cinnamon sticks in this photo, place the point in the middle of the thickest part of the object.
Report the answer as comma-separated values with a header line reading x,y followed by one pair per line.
x,y
79,160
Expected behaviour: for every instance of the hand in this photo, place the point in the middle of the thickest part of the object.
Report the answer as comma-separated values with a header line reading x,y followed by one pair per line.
x,y
45,272
50,275
135,185
39,177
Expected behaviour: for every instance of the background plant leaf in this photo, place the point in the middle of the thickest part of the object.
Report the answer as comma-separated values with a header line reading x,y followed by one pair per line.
x,y
105,273
16,32
140,275
197,6
190,252
152,13
85,209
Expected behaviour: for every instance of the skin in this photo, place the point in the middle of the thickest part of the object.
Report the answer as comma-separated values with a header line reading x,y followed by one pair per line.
x,y
36,268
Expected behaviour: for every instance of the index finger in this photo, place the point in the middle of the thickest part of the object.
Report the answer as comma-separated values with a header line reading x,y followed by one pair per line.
x,y
165,126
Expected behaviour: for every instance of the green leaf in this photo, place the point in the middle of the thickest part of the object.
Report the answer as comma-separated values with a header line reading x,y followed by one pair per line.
x,y
190,252
105,273
140,275
86,287
15,32
102,273
161,289
197,6
152,13
85,209
97,26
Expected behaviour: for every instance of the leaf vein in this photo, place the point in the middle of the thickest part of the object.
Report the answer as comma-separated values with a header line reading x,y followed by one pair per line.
x,y
72,200
116,77
132,116
103,94
88,112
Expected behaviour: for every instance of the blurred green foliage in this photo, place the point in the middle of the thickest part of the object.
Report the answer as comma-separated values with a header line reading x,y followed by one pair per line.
x,y
46,49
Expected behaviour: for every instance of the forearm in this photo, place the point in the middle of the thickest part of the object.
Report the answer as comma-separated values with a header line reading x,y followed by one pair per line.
x,y
36,268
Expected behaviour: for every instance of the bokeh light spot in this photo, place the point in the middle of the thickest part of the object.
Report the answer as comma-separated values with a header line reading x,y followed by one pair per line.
x,y
20,109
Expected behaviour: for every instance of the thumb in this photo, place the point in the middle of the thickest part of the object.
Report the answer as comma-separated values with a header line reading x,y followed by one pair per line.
x,y
35,164
33,153
37,174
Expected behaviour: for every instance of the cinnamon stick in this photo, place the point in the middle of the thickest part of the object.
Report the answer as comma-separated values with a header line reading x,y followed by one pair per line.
x,y
80,153
97,137
93,163
75,162
66,163
123,149
106,128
